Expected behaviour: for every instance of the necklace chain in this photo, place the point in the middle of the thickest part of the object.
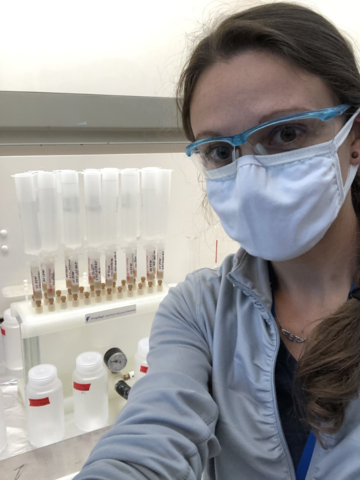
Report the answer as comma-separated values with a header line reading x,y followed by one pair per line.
x,y
290,336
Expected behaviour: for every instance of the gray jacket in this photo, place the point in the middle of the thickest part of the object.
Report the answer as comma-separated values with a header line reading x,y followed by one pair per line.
x,y
208,401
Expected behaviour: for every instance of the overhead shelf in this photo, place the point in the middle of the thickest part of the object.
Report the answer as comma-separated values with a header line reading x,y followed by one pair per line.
x,y
68,124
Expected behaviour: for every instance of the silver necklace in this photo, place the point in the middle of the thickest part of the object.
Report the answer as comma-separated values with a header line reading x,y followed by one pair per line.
x,y
288,335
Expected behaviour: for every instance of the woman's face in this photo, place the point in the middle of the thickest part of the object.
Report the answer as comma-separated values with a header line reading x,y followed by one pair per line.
x,y
255,87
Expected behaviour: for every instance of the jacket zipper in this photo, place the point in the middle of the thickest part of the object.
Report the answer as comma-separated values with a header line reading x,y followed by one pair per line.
x,y
276,408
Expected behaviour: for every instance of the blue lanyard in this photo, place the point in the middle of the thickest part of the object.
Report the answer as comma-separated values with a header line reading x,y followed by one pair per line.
x,y
306,456
308,451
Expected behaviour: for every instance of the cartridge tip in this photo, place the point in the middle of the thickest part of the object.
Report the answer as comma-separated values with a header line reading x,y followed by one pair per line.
x,y
87,294
140,286
58,293
123,282
119,289
82,289
75,296
38,303
109,291
159,283
143,279
63,299
130,287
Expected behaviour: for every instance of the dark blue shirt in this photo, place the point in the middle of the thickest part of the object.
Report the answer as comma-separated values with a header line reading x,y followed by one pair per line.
x,y
295,431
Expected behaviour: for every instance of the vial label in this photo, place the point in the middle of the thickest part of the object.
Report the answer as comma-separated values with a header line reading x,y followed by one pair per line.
x,y
39,402
68,268
150,262
43,273
161,260
3,332
51,278
36,279
95,270
143,369
109,267
115,262
74,271
91,278
134,260
82,387
129,267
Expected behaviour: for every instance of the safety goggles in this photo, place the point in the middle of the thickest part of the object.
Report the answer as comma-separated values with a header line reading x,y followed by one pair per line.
x,y
283,134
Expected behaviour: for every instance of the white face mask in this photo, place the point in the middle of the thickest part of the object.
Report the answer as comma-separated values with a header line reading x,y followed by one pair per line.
x,y
280,206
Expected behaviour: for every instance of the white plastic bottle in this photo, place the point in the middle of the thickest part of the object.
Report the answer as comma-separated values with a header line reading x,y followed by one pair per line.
x,y
90,390
44,406
2,423
141,365
11,339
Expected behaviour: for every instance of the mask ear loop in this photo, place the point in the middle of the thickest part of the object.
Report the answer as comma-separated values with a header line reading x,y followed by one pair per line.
x,y
344,132
338,141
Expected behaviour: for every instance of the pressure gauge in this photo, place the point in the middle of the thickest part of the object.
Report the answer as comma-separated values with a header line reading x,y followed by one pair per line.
x,y
115,360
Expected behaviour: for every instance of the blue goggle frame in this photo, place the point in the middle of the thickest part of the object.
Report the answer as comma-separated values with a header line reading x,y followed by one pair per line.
x,y
241,138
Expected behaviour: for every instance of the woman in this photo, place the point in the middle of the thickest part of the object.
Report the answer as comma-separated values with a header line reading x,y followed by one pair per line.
x,y
270,101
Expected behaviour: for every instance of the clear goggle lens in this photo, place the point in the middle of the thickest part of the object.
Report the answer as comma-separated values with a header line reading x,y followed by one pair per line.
x,y
274,139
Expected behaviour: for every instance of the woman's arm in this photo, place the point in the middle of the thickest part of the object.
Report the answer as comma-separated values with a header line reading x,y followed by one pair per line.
x,y
166,430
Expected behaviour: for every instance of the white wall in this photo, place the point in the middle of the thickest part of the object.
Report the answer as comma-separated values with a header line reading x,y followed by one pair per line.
x,y
118,47
114,47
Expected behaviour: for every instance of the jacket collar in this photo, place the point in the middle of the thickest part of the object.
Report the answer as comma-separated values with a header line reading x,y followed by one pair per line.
x,y
252,274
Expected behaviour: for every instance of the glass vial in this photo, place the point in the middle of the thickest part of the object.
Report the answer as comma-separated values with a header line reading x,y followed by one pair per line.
x,y
44,406
90,391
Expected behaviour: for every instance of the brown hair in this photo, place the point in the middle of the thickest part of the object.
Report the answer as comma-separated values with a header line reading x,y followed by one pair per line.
x,y
328,372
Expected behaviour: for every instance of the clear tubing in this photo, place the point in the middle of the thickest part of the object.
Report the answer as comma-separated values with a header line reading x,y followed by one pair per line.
x,y
92,196
74,267
163,202
60,213
130,204
150,186
155,191
36,280
26,197
150,262
71,208
110,197
48,206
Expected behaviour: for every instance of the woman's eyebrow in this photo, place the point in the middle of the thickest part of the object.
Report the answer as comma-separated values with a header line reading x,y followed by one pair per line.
x,y
285,111
265,118
208,133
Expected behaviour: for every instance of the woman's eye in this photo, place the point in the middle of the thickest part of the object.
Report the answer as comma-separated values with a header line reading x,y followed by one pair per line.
x,y
219,153
286,134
